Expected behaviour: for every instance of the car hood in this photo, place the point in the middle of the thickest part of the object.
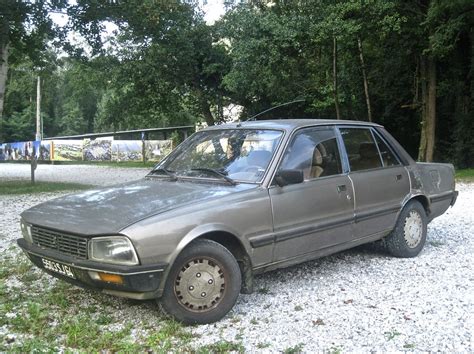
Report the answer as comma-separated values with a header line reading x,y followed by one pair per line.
x,y
109,210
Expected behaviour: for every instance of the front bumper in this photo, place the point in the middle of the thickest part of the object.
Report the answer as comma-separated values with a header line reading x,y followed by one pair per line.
x,y
139,282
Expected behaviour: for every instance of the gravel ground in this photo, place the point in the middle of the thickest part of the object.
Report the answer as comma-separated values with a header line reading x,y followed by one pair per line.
x,y
358,300
86,174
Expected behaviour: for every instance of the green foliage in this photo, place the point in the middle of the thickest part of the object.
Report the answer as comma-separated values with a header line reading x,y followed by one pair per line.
x,y
294,350
71,319
19,126
221,347
465,175
25,26
165,66
391,334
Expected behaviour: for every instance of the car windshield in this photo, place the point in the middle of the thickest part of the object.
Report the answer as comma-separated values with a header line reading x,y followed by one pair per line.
x,y
240,155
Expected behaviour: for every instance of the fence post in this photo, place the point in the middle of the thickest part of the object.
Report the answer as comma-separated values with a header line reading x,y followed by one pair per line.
x,y
143,148
33,163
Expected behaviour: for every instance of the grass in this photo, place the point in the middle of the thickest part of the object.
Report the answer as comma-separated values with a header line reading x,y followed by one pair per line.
x,y
466,175
170,335
391,334
221,347
335,350
435,243
39,314
47,315
295,349
263,291
26,187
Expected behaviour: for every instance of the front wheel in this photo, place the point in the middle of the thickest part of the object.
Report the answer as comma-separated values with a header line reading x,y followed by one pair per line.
x,y
203,284
409,236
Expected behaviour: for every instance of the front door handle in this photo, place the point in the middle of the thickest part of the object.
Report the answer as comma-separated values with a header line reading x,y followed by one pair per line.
x,y
341,188
399,177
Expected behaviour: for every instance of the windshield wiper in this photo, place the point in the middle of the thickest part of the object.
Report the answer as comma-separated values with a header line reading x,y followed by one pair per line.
x,y
165,171
216,173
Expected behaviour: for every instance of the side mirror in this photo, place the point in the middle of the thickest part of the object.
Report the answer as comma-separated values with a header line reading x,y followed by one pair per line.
x,y
286,177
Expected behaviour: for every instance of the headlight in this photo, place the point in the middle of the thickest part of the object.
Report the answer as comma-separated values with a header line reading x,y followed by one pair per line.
x,y
112,249
26,231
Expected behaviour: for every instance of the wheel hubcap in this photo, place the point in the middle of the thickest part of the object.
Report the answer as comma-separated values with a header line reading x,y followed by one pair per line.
x,y
413,229
200,285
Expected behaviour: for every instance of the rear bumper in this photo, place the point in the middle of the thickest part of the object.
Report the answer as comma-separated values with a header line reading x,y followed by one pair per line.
x,y
139,282
454,198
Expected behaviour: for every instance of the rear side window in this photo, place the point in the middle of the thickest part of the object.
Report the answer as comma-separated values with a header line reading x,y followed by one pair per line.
x,y
315,151
361,149
388,157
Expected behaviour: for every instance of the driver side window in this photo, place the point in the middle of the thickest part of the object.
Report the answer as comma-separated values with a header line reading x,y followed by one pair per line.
x,y
315,152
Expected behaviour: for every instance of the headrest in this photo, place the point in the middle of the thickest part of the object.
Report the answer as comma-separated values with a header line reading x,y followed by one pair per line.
x,y
317,157
367,150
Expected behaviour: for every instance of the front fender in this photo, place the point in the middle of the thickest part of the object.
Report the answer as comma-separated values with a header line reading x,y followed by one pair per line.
x,y
195,233
202,230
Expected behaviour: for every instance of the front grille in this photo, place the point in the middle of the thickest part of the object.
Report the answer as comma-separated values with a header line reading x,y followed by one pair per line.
x,y
64,243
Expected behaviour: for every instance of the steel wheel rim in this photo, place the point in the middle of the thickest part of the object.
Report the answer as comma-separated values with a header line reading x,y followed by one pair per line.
x,y
413,229
200,284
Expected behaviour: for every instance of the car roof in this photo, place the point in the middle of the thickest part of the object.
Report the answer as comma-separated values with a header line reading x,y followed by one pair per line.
x,y
291,124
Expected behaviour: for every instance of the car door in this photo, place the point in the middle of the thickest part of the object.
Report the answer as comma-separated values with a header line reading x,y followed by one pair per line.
x,y
318,212
380,181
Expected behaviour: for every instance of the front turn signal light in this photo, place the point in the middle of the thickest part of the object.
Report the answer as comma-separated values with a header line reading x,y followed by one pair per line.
x,y
107,277
111,278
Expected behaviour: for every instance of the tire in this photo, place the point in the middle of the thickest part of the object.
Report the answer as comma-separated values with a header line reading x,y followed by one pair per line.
x,y
409,235
203,283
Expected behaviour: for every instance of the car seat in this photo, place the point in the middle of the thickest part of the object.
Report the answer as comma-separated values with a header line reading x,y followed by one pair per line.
x,y
317,168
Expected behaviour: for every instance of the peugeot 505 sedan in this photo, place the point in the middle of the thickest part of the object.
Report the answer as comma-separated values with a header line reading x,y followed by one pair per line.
x,y
236,200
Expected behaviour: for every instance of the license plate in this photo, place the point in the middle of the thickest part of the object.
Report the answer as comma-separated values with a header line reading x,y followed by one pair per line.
x,y
58,268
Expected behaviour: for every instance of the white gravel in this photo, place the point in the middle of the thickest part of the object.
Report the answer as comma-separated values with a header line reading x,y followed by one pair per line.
x,y
359,300
85,174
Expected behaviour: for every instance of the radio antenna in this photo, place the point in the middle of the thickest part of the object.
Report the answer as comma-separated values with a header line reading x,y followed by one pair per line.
x,y
275,107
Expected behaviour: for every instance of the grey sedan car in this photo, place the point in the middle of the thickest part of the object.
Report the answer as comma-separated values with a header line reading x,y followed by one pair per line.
x,y
236,200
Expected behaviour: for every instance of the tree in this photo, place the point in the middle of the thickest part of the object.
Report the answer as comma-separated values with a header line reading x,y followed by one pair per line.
x,y
353,23
393,62
168,58
24,27
271,63
443,24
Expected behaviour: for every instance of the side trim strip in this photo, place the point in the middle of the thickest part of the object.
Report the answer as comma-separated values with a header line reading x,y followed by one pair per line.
x,y
263,240
320,252
438,198
288,235
371,214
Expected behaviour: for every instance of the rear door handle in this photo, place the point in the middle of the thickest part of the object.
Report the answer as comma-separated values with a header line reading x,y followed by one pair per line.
x,y
341,188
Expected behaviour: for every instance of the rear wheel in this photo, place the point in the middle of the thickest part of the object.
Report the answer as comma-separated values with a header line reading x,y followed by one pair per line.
x,y
203,284
409,236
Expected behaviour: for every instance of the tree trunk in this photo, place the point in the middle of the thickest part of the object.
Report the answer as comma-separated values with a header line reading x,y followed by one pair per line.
x,y
3,74
422,147
366,81
334,74
431,118
206,110
428,121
